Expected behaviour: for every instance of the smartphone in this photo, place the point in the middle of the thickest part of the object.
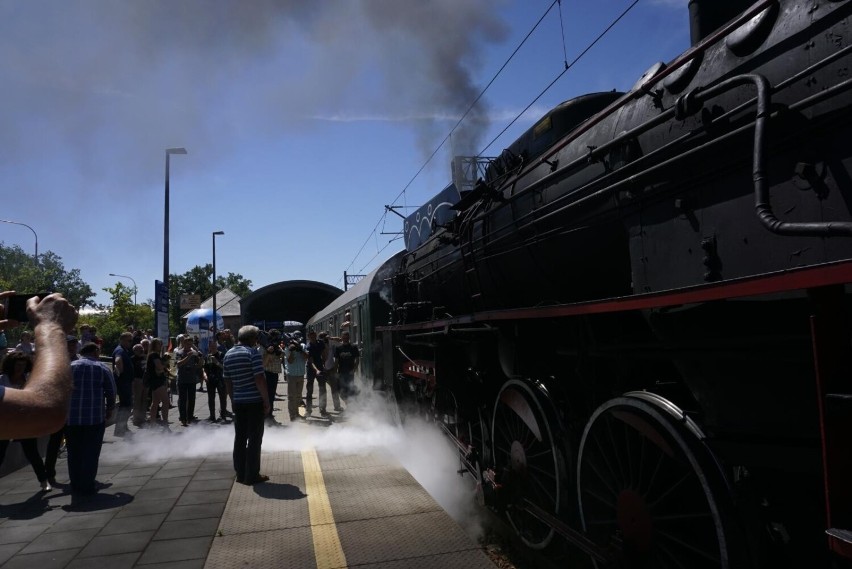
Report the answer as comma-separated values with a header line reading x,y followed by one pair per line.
x,y
16,306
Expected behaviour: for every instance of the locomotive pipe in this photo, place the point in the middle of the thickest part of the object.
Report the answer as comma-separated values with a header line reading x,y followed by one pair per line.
x,y
761,188
685,58
762,203
765,213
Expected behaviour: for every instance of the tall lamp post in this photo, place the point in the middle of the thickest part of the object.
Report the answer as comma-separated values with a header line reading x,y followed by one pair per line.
x,y
28,227
215,320
135,288
169,152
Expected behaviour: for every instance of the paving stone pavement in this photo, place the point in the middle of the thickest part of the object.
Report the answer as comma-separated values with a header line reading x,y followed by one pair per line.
x,y
165,495
156,509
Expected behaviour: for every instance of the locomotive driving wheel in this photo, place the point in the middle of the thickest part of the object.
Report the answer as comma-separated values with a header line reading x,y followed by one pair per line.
x,y
527,459
649,487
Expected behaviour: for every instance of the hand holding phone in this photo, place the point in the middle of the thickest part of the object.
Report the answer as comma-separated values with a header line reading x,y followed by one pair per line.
x,y
16,306
51,308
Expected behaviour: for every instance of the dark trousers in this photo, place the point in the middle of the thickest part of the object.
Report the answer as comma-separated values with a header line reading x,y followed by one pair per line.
x,y
348,389
53,446
310,376
30,448
271,389
323,392
124,390
186,402
248,436
84,452
214,386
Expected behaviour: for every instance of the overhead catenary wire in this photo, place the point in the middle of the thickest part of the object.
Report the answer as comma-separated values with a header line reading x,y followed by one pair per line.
x,y
559,76
567,66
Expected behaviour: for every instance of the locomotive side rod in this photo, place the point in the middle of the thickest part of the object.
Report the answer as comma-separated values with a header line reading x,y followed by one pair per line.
x,y
599,554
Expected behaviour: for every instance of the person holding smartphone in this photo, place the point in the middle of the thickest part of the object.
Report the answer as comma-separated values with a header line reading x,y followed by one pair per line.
x,y
41,406
188,361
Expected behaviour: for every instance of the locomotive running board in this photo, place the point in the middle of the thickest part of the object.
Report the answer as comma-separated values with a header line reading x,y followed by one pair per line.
x,y
834,273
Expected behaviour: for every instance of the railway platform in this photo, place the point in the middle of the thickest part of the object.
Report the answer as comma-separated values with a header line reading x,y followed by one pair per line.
x,y
169,499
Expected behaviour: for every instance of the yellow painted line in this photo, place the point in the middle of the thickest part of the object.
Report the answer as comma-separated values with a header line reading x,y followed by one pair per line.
x,y
327,549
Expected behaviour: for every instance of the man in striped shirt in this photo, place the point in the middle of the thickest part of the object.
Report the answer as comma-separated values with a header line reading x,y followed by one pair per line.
x,y
246,382
92,403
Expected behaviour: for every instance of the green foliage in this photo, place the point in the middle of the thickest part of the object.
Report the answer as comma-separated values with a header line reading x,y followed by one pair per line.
x,y
112,320
20,272
198,280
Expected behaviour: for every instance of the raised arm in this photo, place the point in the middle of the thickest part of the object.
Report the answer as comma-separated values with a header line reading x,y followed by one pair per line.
x,y
41,407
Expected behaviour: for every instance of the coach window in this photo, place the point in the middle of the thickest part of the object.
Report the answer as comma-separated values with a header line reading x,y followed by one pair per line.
x,y
354,324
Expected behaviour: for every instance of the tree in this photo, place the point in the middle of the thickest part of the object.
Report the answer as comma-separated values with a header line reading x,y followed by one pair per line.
x,y
198,280
236,282
19,271
112,320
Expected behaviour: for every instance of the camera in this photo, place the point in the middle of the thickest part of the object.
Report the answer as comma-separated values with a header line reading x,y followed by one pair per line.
x,y
295,346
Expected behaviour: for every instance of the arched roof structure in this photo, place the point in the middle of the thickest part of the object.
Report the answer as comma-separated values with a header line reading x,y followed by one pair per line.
x,y
287,300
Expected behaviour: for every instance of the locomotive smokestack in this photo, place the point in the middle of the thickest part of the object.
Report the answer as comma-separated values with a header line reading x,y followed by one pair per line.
x,y
707,16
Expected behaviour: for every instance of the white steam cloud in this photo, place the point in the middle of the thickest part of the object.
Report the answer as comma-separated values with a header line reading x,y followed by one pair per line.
x,y
368,425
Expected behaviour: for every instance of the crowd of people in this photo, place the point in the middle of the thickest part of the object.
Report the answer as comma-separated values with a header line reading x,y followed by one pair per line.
x,y
54,382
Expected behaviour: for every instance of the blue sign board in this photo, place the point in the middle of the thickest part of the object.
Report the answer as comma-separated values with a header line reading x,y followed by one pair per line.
x,y
161,311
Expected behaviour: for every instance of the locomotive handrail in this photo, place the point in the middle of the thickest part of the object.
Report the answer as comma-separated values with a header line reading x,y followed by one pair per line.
x,y
761,188
682,60
763,206
685,104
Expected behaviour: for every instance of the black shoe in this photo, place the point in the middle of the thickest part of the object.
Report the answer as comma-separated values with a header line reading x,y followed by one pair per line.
x,y
259,479
227,413
323,413
212,419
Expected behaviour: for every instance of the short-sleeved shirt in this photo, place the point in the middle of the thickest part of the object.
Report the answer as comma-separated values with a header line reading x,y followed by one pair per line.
x,y
92,394
346,354
151,378
315,350
296,368
127,357
241,365
213,364
188,372
138,366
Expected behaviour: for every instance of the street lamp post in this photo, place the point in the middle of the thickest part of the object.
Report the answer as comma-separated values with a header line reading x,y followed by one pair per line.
x,y
169,152
28,227
215,320
135,288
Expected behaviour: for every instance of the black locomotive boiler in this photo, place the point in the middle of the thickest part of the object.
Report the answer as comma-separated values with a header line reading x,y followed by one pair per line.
x,y
636,323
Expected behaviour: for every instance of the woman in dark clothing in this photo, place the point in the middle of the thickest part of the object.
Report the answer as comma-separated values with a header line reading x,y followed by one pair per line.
x,y
157,380
16,368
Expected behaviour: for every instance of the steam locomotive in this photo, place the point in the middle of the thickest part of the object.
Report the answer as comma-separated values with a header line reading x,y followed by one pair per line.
x,y
635,322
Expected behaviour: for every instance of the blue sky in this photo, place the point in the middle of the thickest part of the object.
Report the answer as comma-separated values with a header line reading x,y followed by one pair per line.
x,y
301,119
